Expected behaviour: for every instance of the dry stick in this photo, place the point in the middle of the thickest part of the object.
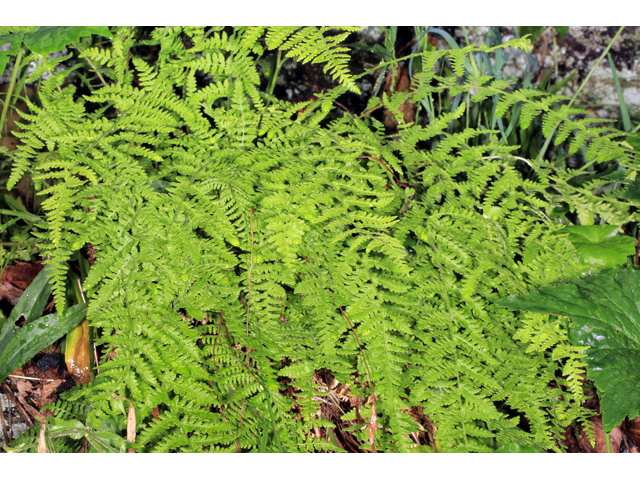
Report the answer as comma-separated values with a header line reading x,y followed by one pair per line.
x,y
81,292
32,378
359,346
7,439
21,411
370,110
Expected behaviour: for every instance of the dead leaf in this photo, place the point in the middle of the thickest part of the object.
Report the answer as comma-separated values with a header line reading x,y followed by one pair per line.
x,y
632,429
24,387
77,353
49,389
16,278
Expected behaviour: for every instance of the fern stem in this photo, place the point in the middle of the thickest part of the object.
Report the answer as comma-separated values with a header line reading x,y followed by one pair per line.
x,y
384,165
360,347
250,270
12,84
371,110
97,72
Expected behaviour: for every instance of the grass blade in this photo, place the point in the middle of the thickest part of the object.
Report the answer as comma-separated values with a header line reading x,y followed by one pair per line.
x,y
624,113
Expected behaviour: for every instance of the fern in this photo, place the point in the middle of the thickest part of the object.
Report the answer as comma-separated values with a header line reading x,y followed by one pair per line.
x,y
244,244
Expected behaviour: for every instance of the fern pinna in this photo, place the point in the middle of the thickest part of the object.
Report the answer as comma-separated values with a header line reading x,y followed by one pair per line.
x,y
245,244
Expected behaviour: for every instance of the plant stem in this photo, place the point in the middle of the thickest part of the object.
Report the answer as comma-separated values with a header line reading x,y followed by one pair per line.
x,y
7,99
274,74
97,72
250,271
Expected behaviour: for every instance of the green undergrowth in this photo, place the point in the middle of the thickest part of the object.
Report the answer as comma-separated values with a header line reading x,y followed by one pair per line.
x,y
243,243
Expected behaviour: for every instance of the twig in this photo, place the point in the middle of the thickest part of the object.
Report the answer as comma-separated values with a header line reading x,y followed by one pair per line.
x,y
32,378
21,411
81,292
371,110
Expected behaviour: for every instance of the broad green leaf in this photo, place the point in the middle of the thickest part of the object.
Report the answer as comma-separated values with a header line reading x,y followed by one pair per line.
x,y
595,246
57,427
36,335
30,306
108,441
605,316
26,215
45,40
51,39
562,31
15,40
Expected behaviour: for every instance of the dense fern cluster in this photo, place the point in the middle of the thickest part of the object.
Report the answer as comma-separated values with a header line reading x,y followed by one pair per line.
x,y
244,243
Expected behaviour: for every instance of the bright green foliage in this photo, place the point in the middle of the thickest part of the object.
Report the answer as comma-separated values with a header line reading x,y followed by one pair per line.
x,y
245,242
605,317
596,247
